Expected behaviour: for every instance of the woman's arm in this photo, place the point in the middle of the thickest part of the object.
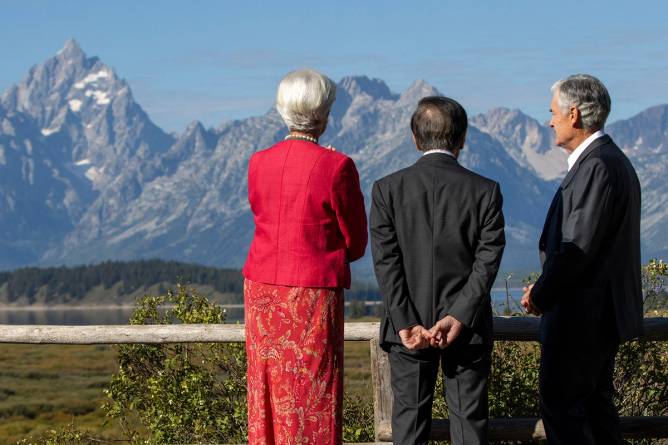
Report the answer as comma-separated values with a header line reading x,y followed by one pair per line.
x,y
348,203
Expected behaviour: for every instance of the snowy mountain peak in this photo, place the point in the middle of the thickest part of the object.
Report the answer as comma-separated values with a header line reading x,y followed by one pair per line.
x,y
71,51
69,79
375,88
416,91
647,131
86,111
659,111
526,140
195,126
196,130
502,120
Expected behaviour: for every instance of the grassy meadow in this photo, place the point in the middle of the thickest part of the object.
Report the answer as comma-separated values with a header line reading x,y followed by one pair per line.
x,y
43,386
48,386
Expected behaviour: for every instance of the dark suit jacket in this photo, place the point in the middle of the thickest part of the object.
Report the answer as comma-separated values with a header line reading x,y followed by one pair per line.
x,y
437,239
590,249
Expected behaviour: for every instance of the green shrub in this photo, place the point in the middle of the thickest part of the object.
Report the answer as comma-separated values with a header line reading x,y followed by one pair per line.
x,y
182,393
68,435
654,275
357,420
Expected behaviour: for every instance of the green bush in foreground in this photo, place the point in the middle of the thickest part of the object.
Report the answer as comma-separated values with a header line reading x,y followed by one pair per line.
x,y
180,393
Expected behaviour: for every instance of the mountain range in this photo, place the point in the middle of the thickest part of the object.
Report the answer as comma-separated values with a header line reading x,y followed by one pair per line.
x,y
86,176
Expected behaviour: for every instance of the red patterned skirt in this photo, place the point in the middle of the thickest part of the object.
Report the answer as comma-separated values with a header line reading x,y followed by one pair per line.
x,y
294,342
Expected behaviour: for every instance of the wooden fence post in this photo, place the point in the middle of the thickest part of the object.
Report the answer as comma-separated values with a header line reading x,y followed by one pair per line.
x,y
382,390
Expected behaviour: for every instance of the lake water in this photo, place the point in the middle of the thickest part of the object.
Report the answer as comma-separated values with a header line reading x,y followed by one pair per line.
x,y
120,315
82,316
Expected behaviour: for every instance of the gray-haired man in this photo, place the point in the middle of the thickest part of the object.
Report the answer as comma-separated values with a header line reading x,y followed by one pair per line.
x,y
589,292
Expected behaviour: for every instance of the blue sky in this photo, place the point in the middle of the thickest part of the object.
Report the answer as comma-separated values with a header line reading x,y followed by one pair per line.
x,y
218,60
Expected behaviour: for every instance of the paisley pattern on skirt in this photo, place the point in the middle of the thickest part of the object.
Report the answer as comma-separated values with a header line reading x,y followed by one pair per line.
x,y
294,342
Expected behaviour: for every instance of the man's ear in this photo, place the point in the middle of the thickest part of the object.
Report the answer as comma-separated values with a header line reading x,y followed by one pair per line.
x,y
463,141
574,117
415,141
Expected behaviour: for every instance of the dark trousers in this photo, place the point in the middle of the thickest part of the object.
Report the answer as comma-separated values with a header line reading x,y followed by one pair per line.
x,y
413,373
576,390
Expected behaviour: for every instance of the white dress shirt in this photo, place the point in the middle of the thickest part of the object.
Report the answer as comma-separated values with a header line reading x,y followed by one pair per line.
x,y
438,150
573,157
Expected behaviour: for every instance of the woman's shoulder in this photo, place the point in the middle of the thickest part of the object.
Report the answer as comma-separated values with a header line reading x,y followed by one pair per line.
x,y
321,154
266,153
335,155
267,150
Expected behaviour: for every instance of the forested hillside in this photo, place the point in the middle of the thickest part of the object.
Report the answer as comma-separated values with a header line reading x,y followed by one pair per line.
x,y
115,282
122,282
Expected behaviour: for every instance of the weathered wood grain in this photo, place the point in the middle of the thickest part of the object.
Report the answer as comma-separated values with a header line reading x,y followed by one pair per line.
x,y
184,333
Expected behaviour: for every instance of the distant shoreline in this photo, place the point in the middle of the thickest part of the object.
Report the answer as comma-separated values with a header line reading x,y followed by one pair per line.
x,y
62,307
128,306
44,307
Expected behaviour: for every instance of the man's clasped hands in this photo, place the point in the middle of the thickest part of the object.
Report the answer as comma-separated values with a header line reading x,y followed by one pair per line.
x,y
441,335
448,328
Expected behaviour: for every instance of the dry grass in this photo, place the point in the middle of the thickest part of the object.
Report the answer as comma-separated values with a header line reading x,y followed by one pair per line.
x,y
42,386
48,386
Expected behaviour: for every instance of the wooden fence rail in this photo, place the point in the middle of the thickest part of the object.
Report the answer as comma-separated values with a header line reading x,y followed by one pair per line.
x,y
149,334
505,328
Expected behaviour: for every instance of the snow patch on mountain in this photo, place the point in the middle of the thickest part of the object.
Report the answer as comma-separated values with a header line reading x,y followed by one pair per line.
x,y
49,131
75,105
93,77
101,97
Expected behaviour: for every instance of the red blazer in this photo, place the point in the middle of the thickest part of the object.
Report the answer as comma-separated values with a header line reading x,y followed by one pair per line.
x,y
310,220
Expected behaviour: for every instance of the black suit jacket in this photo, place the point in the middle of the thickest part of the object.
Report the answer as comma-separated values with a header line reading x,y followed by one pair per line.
x,y
590,249
437,239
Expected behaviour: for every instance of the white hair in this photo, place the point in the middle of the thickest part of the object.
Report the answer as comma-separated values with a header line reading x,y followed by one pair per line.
x,y
588,95
304,99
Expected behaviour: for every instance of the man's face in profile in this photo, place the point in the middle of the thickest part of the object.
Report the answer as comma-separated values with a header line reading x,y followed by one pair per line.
x,y
561,123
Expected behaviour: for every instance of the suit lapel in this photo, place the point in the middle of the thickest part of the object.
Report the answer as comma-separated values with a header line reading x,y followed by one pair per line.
x,y
605,139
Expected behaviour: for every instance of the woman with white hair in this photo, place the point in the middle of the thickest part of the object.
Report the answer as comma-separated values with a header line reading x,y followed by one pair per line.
x,y
310,223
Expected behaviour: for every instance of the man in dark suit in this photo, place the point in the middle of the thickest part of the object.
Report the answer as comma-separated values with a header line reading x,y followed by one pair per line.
x,y
437,240
589,292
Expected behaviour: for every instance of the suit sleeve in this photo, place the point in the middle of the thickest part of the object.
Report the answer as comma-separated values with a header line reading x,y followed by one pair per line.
x,y
583,229
488,254
388,264
348,204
